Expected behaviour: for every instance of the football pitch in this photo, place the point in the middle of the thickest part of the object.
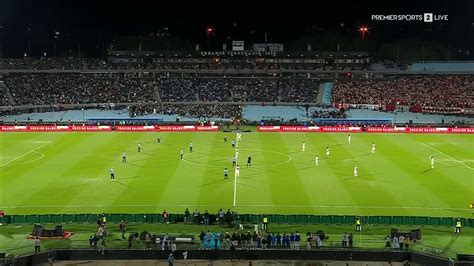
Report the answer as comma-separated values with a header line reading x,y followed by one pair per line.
x,y
56,172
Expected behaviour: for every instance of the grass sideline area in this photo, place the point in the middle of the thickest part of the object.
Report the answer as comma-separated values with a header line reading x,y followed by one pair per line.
x,y
53,172
439,241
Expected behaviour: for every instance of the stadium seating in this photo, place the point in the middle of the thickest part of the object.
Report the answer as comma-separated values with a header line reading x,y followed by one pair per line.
x,y
443,67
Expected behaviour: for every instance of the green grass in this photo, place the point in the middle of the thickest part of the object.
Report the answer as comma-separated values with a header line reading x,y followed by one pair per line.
x,y
68,173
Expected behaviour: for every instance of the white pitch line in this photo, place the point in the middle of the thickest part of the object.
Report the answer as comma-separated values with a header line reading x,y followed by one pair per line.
x,y
447,156
21,156
236,164
240,206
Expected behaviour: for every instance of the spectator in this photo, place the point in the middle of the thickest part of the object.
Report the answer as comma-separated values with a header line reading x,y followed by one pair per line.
x,y
396,245
163,243
186,216
351,240
206,218
401,241
170,260
148,240
37,243
123,228
50,257
407,242
2,215
165,217
232,252
387,243
131,237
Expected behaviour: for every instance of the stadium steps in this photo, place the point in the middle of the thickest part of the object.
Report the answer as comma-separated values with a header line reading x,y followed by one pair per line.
x,y
156,93
327,92
319,96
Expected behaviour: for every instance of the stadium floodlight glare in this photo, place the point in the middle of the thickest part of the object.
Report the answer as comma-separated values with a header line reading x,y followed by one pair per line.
x,y
363,30
210,30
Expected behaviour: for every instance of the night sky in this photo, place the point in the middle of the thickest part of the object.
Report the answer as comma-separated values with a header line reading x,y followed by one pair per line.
x,y
94,23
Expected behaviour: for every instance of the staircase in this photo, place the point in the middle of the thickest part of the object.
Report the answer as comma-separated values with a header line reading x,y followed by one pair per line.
x,y
156,93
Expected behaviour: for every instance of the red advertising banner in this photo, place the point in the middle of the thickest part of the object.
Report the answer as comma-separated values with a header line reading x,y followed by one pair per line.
x,y
268,128
136,128
307,129
52,128
465,130
207,128
436,130
176,128
91,128
188,128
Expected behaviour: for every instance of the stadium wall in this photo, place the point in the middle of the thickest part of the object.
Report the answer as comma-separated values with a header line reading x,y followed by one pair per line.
x,y
220,255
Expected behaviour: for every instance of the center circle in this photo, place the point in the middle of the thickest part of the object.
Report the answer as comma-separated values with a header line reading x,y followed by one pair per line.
x,y
226,159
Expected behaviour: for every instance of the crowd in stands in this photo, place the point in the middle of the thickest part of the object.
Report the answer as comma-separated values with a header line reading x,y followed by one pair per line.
x,y
53,63
188,110
339,113
75,88
186,63
426,90
240,89
39,89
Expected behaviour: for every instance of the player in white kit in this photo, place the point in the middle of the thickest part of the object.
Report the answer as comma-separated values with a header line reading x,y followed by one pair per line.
x,y
355,171
373,147
328,151
432,162
349,139
316,160
303,147
237,171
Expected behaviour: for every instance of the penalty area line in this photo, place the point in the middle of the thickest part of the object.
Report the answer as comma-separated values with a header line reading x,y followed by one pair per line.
x,y
447,156
23,155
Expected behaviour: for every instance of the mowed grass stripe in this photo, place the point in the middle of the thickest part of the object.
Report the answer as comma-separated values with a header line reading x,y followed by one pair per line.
x,y
284,181
326,188
371,187
183,185
448,183
423,186
252,186
71,175
213,188
394,157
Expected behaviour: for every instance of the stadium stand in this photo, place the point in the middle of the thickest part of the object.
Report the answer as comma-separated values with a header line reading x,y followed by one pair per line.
x,y
443,67
439,91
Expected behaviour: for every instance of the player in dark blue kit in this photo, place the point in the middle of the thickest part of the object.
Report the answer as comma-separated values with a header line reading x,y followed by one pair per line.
x,y
232,143
226,174
225,139
249,161
112,174
190,147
